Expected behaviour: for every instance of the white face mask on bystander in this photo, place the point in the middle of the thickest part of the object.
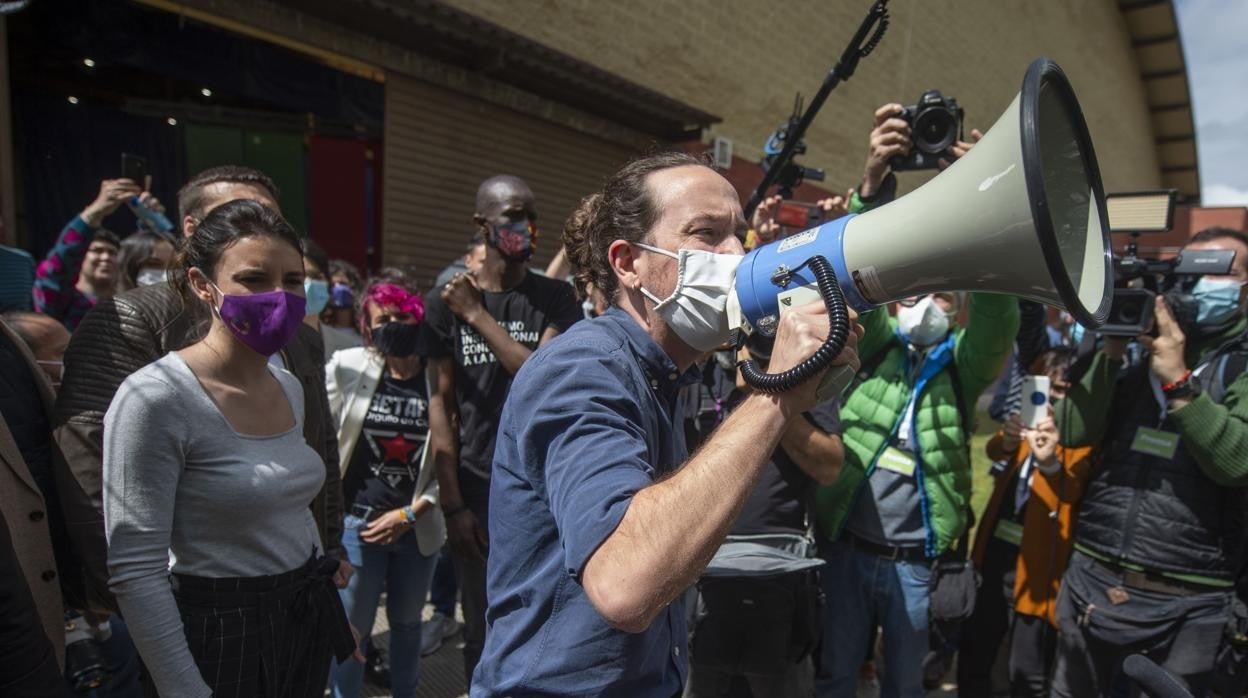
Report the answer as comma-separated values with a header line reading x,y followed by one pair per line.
x,y
923,323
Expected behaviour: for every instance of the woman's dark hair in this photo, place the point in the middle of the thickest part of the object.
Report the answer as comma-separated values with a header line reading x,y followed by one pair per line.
x,y
316,254
340,266
1058,359
135,250
224,226
623,210
107,236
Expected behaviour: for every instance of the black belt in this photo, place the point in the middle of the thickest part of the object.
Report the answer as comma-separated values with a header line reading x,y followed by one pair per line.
x,y
894,553
366,513
1151,581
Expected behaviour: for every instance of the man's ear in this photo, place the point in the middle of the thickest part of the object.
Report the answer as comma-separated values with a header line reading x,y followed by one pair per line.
x,y
622,260
189,223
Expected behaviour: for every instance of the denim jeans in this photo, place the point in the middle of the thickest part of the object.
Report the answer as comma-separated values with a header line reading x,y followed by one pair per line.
x,y
445,590
861,591
404,574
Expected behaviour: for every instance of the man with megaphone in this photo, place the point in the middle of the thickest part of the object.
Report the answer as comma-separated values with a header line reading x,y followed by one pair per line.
x,y
599,520
600,523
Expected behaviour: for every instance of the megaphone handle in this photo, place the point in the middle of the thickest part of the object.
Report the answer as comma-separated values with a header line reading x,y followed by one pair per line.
x,y
834,382
838,335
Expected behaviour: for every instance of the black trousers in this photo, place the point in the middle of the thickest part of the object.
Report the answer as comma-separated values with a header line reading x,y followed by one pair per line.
x,y
471,573
1032,641
265,637
1180,631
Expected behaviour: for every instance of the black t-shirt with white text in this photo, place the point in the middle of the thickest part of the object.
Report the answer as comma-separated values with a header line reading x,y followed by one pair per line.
x,y
481,382
386,459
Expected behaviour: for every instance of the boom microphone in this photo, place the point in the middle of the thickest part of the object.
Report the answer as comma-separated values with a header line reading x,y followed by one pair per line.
x,y
1152,679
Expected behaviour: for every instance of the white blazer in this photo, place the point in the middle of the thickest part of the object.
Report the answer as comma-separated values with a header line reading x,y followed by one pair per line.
x,y
351,379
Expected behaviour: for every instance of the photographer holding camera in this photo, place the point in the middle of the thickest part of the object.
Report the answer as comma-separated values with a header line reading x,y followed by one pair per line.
x,y
1161,527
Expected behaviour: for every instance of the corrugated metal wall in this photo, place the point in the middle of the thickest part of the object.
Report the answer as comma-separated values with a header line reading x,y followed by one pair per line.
x,y
439,145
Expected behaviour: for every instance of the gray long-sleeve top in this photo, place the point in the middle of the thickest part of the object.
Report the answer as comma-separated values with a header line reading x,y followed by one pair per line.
x,y
185,492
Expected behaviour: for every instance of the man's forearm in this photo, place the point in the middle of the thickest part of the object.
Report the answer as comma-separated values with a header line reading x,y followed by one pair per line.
x,y
818,453
672,528
510,353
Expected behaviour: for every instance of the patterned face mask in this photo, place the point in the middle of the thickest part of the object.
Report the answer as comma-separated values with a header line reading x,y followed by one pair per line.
x,y
516,240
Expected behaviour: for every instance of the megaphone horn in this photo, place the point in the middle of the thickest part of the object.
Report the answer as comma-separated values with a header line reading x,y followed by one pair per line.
x,y
1022,214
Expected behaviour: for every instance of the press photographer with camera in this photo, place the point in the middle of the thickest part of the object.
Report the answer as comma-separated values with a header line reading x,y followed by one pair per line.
x,y
900,142
1161,531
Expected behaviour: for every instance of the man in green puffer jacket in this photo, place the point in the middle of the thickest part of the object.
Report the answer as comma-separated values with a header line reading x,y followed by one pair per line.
x,y
902,497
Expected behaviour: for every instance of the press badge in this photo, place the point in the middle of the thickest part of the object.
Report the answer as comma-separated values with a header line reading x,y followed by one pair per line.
x,y
1154,442
897,460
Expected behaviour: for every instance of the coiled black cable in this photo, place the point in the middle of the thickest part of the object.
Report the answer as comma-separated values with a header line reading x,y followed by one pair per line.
x,y
838,335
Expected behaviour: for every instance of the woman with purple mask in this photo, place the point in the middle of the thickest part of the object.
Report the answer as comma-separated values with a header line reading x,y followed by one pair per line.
x,y
213,553
392,531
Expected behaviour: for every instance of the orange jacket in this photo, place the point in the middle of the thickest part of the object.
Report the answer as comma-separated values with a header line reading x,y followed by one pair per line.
x,y
1048,526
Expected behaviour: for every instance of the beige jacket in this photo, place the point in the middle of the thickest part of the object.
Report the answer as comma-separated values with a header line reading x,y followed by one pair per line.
x,y
351,379
27,514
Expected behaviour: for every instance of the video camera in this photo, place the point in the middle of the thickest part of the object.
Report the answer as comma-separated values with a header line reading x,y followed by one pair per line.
x,y
1138,281
935,124
791,174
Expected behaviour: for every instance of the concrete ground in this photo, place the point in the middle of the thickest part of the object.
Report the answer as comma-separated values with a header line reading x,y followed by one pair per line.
x,y
442,673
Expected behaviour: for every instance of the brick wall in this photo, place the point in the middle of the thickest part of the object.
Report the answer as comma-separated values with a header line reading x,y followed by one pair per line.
x,y
745,59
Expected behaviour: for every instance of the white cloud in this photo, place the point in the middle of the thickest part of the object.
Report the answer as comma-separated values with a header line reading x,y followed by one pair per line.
x,y
1223,195
1213,34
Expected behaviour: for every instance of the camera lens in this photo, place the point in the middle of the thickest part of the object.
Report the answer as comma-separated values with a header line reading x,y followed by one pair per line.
x,y
934,130
1130,312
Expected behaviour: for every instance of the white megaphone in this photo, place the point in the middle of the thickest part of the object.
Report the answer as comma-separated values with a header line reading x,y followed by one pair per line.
x,y
1022,214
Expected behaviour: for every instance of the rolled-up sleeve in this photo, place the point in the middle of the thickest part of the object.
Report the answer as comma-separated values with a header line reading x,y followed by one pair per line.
x,y
584,447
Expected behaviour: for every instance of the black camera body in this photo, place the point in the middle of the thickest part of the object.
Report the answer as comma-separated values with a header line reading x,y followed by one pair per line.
x,y
1131,313
935,124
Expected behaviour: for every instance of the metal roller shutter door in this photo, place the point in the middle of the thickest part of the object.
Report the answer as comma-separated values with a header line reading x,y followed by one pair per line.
x,y
440,145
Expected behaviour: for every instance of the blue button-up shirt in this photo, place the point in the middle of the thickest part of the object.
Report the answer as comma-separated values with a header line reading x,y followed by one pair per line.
x,y
591,419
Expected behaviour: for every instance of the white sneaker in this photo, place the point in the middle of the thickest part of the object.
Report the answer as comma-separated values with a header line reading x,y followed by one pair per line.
x,y
434,631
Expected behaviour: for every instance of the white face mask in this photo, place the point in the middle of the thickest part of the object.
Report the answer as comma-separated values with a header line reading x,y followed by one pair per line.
x,y
59,365
697,309
923,323
149,276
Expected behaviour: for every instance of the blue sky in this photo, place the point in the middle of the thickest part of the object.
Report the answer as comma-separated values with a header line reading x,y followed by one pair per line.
x,y
1215,44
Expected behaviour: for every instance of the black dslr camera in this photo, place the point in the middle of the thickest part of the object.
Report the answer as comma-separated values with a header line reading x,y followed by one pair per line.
x,y
85,665
935,124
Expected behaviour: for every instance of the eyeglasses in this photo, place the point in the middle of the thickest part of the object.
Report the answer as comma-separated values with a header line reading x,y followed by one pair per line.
x,y
950,298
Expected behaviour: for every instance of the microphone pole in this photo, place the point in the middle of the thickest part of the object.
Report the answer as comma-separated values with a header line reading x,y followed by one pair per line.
x,y
865,40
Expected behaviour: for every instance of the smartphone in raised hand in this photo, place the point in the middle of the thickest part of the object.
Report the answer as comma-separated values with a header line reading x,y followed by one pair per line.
x,y
134,168
1035,405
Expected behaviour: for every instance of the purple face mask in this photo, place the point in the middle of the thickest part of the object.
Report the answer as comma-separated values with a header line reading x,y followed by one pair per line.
x,y
265,322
